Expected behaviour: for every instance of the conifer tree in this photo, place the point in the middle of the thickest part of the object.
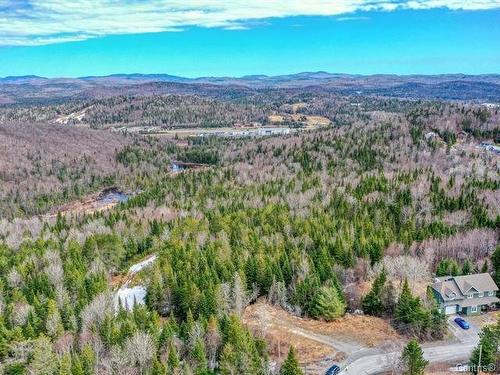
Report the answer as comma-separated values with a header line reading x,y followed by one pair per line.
x,y
484,267
76,366
495,261
406,304
454,268
389,298
213,341
43,360
228,360
65,365
53,324
173,361
158,368
488,347
291,364
88,359
328,304
199,356
413,359
467,268
443,268
372,303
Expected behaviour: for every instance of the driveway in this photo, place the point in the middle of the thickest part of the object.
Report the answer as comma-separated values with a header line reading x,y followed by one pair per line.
x,y
379,363
444,352
463,335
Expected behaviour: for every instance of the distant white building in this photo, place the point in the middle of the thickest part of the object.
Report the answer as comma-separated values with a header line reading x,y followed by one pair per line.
x,y
430,135
490,105
489,147
250,132
273,131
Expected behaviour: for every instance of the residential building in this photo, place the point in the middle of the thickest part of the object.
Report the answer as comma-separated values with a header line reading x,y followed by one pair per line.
x,y
468,294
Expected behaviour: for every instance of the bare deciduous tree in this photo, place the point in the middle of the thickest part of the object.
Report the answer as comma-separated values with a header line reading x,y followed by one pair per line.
x,y
139,350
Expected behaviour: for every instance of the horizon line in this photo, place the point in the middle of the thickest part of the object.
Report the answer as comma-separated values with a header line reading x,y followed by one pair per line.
x,y
34,76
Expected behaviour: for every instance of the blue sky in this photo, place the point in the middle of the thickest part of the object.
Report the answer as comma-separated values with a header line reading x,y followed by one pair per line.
x,y
56,38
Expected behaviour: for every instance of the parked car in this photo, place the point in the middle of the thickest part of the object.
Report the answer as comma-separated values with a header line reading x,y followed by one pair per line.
x,y
462,323
334,370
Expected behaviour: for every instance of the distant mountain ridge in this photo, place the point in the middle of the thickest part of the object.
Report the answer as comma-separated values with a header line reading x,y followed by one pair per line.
x,y
251,79
34,89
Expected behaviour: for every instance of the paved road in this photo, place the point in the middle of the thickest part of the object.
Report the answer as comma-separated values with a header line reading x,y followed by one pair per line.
x,y
375,364
454,351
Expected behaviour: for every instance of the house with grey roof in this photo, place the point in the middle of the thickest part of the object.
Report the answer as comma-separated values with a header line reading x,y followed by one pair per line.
x,y
468,294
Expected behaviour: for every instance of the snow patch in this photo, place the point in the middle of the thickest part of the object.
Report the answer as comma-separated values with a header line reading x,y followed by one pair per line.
x,y
141,265
128,297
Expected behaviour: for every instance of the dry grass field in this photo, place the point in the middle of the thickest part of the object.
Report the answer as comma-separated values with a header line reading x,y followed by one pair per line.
x,y
317,340
306,120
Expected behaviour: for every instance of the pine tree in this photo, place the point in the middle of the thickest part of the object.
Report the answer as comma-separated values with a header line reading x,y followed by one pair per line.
x,y
454,268
488,346
88,360
485,267
4,346
43,360
443,268
213,341
410,313
437,325
291,364
228,360
413,359
199,356
240,353
495,261
158,368
188,325
389,298
173,359
328,304
76,366
467,268
406,304
65,365
372,303
53,323
127,329
68,317
155,292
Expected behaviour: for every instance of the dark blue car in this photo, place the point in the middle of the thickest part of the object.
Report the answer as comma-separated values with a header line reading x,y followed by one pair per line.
x,y
462,323
334,370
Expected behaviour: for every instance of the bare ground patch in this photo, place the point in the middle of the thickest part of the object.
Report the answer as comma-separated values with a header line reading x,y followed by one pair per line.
x,y
317,341
307,120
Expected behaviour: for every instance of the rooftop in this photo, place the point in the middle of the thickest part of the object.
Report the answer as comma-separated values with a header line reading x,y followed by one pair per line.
x,y
452,287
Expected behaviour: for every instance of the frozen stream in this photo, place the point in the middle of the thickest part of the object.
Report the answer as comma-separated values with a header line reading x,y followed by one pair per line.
x,y
129,296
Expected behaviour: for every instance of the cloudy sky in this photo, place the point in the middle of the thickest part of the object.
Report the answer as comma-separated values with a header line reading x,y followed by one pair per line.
x,y
238,37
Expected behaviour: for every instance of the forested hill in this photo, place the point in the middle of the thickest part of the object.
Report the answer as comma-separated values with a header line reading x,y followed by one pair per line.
x,y
361,214
180,111
39,90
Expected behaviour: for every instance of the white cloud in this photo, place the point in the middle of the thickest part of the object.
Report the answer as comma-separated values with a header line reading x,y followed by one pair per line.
x,y
34,22
355,18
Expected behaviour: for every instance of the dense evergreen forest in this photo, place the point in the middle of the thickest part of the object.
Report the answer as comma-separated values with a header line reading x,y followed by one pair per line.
x,y
297,220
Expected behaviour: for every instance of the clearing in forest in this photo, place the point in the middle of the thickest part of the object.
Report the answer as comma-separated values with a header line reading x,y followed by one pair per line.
x,y
318,341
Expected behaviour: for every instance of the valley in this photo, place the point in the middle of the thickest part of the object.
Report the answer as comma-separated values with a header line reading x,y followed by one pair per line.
x,y
249,187
220,229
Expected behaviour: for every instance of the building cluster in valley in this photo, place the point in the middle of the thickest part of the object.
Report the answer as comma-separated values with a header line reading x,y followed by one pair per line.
x,y
249,132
